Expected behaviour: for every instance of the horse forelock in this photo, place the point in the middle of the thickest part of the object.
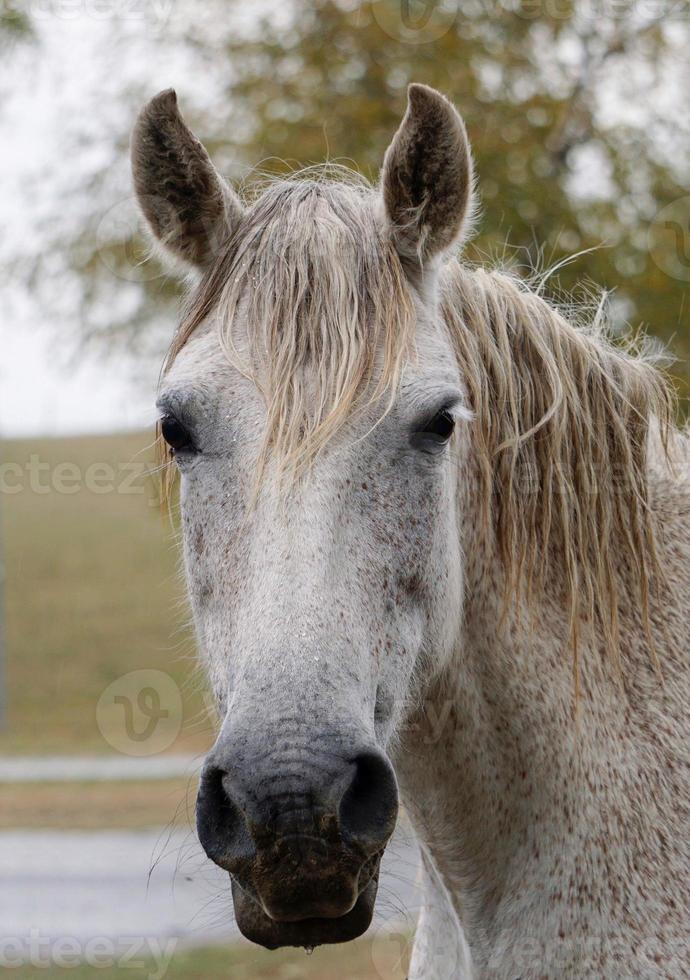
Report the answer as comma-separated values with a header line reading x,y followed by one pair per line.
x,y
327,310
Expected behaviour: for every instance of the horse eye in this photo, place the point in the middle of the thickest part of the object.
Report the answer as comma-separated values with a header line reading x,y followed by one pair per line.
x,y
440,428
175,434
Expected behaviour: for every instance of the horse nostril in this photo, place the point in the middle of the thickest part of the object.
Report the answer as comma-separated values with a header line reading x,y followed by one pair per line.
x,y
369,806
237,820
220,821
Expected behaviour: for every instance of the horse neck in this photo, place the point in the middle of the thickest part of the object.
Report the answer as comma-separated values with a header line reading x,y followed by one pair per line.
x,y
529,800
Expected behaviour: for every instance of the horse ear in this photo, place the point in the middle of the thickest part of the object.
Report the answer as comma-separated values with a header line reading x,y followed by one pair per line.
x,y
187,204
427,176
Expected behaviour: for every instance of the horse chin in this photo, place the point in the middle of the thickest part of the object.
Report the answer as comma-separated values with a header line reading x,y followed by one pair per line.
x,y
258,927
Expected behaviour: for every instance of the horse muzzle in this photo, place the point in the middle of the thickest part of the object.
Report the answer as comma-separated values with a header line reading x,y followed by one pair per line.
x,y
302,833
260,928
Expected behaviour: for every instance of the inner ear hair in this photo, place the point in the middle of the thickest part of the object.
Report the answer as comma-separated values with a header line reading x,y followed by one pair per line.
x,y
427,177
187,205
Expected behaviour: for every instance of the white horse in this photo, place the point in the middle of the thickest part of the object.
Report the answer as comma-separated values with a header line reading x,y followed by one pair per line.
x,y
435,548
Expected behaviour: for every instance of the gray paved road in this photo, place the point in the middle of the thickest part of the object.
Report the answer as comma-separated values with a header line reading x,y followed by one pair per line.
x,y
65,768
115,887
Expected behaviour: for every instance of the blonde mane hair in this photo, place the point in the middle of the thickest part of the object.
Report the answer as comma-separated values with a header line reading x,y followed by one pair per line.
x,y
566,428
327,304
564,419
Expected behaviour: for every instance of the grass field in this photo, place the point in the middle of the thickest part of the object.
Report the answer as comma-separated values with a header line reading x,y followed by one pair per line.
x,y
92,592
97,806
380,959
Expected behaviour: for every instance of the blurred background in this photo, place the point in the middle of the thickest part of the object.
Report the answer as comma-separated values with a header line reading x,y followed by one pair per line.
x,y
578,115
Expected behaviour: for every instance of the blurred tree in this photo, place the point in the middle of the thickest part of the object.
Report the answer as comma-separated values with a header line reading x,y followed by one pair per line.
x,y
14,24
563,165
575,109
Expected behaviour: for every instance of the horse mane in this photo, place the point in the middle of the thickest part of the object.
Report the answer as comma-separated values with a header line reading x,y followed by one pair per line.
x,y
564,418
568,426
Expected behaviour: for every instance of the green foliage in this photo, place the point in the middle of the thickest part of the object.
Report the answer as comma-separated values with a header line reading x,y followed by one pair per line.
x,y
92,590
366,959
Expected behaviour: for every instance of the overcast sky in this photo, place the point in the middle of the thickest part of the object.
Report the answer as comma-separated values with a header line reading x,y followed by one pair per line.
x,y
45,386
